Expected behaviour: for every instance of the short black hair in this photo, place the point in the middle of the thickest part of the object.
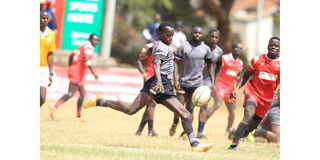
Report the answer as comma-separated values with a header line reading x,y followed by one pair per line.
x,y
235,45
213,30
164,25
277,38
91,35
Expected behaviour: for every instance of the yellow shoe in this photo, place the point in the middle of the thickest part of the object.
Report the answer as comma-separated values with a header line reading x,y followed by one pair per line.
x,y
92,102
202,147
52,110
79,119
173,128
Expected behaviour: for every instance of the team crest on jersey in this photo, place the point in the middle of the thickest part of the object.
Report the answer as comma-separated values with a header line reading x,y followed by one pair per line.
x,y
188,48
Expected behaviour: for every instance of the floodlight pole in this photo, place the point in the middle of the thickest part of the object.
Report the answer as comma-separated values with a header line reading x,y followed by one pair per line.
x,y
108,17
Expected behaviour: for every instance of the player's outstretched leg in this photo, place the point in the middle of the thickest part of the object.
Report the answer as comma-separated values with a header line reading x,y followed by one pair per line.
x,y
242,127
141,100
53,107
174,105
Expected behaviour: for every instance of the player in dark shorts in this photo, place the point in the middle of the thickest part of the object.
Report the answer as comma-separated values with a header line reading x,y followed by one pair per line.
x,y
259,91
145,55
158,88
191,57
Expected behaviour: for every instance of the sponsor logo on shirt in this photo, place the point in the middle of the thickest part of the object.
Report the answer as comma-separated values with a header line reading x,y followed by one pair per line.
x,y
268,76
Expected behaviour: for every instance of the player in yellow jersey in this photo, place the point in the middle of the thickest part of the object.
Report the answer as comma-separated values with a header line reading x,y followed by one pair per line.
x,y
47,46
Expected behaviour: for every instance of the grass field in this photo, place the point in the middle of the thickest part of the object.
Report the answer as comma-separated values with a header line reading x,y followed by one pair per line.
x,y
109,134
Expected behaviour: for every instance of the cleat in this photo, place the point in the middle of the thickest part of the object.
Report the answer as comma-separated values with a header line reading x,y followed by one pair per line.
x,y
138,133
92,102
201,136
232,149
202,147
79,119
52,110
250,138
152,133
173,128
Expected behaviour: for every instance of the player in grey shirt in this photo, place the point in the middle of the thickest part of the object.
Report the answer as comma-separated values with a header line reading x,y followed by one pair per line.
x,y
159,88
193,56
217,53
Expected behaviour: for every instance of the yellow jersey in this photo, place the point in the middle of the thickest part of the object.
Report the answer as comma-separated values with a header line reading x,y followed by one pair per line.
x,y
47,44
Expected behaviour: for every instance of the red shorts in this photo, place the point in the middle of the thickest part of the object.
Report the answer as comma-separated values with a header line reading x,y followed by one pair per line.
x,y
262,106
224,91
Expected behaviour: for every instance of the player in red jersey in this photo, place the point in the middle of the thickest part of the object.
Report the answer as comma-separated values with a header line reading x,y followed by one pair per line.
x,y
265,72
230,70
79,61
148,114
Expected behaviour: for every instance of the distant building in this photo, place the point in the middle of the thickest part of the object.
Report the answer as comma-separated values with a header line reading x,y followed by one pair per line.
x,y
243,24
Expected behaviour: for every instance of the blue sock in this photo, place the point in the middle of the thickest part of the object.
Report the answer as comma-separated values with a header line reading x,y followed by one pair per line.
x,y
102,102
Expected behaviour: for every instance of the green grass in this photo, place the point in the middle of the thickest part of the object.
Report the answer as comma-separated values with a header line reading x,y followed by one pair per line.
x,y
109,134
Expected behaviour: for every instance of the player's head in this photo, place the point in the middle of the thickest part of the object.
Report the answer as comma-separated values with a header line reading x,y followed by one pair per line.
x,y
236,49
213,36
157,17
179,25
196,34
165,32
94,39
44,19
274,47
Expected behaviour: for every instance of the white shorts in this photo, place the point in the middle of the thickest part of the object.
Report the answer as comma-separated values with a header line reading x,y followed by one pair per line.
x,y
44,76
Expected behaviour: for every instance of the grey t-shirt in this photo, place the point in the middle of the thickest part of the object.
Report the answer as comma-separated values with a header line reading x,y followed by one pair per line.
x,y
192,63
164,53
217,54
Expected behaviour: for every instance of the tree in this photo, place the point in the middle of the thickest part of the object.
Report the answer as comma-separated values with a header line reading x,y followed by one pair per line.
x,y
221,10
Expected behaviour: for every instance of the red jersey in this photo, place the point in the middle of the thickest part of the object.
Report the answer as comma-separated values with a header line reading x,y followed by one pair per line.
x,y
229,70
147,55
78,67
265,79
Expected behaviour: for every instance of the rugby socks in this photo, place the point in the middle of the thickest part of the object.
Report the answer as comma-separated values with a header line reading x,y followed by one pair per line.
x,y
102,102
193,140
142,124
176,121
200,127
59,103
79,111
79,106
150,125
239,132
62,100
262,131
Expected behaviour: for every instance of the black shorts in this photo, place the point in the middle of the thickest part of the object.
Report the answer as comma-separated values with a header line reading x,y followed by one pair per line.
x,y
159,97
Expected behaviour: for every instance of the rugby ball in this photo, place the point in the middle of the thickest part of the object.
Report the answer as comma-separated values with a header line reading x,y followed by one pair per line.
x,y
201,96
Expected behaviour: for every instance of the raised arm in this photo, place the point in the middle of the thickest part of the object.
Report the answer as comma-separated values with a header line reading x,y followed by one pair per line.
x,y
88,63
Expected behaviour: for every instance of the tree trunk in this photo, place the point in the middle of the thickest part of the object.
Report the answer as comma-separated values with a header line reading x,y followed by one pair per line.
x,y
224,26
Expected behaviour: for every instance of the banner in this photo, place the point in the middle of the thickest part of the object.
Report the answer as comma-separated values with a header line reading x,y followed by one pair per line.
x,y
113,84
81,17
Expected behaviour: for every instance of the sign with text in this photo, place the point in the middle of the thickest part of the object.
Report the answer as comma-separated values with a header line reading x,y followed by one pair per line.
x,y
113,84
81,18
